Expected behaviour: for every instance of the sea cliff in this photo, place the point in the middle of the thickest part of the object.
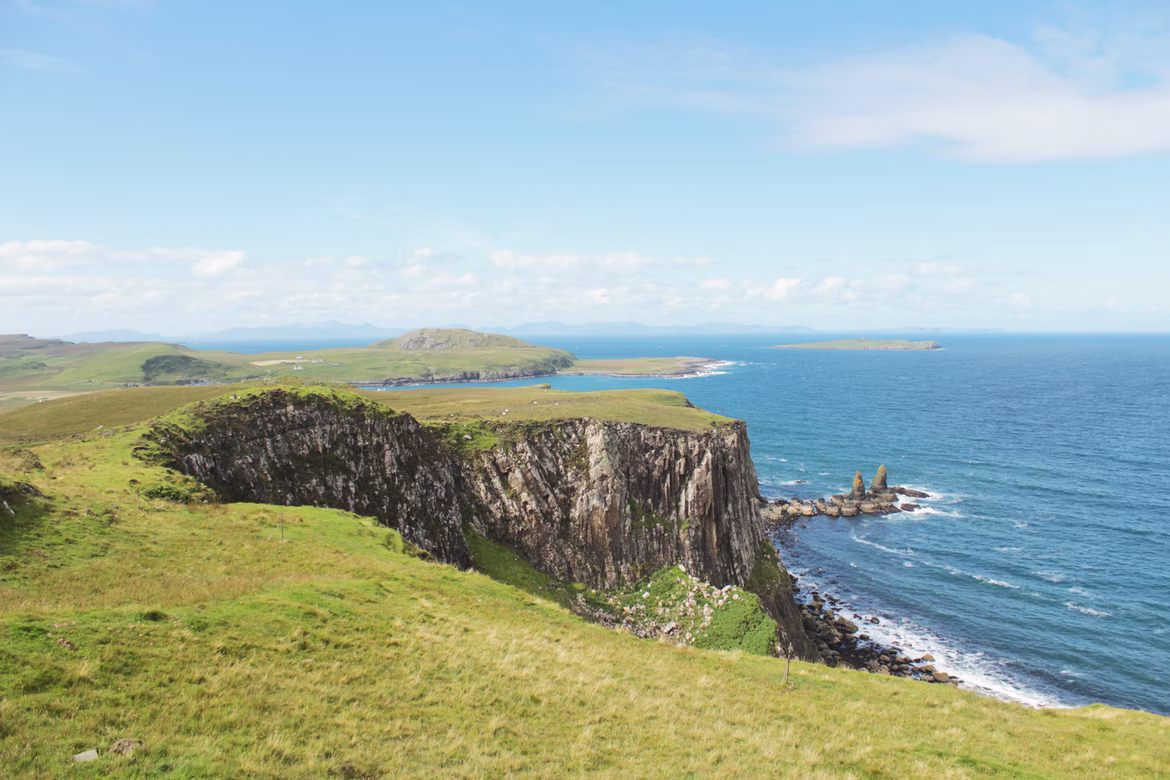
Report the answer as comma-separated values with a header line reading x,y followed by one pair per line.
x,y
599,502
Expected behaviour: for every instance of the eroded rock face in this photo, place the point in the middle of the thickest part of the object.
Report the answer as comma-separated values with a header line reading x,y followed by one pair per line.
x,y
603,503
295,450
608,503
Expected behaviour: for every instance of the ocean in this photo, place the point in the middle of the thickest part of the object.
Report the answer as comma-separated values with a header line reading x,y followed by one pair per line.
x,y
1039,569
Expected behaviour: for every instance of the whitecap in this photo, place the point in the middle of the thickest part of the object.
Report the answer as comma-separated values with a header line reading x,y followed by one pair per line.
x,y
1082,592
1009,549
907,564
1021,525
1000,583
1051,576
930,510
883,548
1087,610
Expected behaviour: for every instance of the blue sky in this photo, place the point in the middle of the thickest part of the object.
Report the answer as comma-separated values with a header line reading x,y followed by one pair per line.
x,y
846,164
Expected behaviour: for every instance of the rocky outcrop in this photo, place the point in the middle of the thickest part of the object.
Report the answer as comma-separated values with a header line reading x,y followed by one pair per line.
x,y
608,503
602,503
311,448
880,499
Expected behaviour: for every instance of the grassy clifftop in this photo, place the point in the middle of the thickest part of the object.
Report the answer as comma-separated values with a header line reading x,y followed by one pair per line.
x,y
89,413
247,640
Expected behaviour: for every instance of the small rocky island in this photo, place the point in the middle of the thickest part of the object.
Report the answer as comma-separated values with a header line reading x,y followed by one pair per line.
x,y
879,499
889,345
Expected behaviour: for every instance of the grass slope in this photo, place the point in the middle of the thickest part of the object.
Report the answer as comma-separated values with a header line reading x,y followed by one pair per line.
x,y
31,369
81,414
333,652
540,403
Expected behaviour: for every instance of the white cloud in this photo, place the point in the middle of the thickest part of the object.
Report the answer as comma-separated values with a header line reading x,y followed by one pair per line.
x,y
779,290
1063,94
217,263
1020,300
715,285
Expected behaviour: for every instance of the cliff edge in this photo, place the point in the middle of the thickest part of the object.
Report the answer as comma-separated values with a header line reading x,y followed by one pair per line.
x,y
601,502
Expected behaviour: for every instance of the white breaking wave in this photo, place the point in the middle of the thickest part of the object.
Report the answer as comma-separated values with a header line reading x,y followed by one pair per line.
x,y
1051,576
1000,583
978,673
1087,610
883,548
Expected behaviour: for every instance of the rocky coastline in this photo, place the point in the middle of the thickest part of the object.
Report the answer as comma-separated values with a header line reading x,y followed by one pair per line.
x,y
841,641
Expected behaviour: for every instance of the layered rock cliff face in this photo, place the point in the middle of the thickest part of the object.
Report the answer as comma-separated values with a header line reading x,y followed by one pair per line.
x,y
609,503
313,449
603,503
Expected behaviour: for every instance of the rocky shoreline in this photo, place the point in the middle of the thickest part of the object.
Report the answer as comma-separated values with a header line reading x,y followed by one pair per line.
x,y
841,641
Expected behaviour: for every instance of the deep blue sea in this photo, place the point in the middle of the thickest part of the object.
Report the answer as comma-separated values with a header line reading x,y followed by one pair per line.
x,y
1039,571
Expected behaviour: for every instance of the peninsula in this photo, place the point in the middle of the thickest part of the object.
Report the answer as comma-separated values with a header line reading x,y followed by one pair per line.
x,y
33,369
865,344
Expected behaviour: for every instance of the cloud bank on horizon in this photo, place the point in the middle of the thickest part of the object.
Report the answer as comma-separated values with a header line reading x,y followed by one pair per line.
x,y
178,169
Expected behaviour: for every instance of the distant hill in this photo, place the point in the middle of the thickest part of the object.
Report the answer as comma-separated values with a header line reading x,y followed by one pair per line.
x,y
451,339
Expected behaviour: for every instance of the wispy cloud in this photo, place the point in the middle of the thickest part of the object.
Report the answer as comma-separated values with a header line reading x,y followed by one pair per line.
x,y
1064,93
20,59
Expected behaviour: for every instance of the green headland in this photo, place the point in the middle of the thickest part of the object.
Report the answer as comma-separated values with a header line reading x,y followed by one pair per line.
x,y
249,640
44,369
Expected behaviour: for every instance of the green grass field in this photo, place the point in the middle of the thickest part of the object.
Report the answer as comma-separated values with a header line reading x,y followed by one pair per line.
x,y
253,641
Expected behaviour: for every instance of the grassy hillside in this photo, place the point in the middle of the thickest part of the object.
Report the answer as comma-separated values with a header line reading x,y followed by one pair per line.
x,y
83,414
244,640
36,369
662,408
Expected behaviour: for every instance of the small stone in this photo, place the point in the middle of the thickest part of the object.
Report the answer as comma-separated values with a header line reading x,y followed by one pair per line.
x,y
926,657
125,747
941,677
89,755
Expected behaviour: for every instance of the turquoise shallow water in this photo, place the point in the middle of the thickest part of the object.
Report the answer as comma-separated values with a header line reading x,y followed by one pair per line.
x,y
1040,569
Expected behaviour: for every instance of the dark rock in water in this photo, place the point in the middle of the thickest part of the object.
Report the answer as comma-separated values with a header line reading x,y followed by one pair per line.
x,y
879,479
910,492
908,507
858,490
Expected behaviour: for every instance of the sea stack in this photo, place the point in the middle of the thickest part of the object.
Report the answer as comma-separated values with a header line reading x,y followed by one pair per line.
x,y
879,480
858,486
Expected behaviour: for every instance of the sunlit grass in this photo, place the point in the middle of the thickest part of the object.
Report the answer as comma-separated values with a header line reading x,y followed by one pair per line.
x,y
232,652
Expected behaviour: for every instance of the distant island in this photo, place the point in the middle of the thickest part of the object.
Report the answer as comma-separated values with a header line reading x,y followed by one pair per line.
x,y
882,344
